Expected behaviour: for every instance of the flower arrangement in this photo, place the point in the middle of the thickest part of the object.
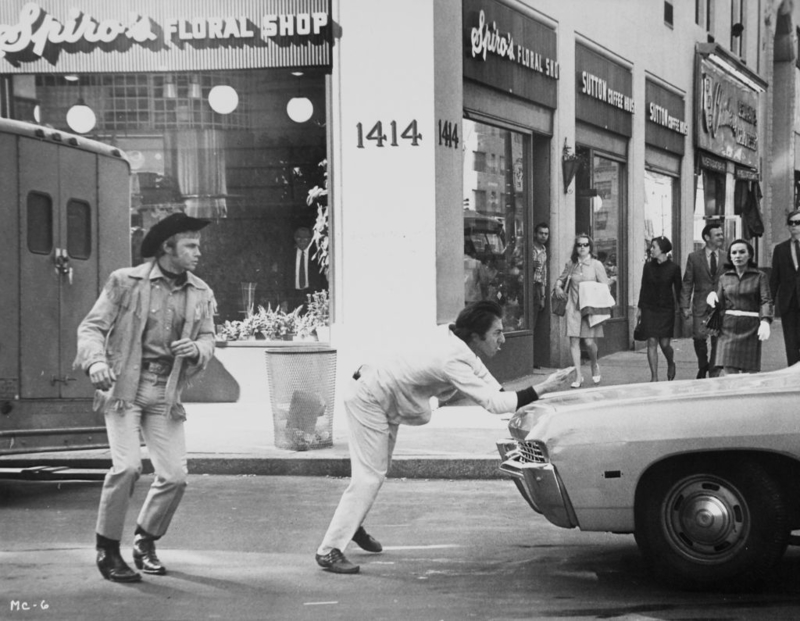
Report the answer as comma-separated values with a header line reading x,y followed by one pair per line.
x,y
318,196
277,324
567,154
317,310
570,161
266,323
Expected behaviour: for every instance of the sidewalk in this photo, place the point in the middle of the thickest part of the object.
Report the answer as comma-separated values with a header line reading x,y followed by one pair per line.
x,y
459,442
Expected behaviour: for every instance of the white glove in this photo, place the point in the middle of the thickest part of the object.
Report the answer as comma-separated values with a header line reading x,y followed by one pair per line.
x,y
763,331
712,299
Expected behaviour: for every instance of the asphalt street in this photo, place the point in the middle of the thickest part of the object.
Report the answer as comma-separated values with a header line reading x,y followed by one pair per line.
x,y
242,547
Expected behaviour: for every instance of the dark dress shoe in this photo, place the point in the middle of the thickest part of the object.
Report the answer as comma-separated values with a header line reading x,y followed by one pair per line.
x,y
366,541
113,568
144,556
671,371
337,563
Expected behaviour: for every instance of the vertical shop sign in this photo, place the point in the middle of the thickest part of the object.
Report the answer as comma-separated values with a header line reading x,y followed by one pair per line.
x,y
726,118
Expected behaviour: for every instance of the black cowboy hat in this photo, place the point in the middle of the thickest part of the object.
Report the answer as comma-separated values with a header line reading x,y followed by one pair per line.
x,y
173,224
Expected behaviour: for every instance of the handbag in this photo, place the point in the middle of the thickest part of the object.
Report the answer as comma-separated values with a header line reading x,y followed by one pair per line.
x,y
558,306
638,332
713,322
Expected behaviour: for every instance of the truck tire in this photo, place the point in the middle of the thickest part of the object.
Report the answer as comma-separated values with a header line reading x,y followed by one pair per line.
x,y
702,524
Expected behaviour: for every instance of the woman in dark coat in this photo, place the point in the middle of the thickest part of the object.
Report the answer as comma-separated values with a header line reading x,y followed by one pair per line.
x,y
743,292
661,289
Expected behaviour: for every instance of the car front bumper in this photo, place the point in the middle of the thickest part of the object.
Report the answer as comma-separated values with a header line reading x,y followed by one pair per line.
x,y
538,482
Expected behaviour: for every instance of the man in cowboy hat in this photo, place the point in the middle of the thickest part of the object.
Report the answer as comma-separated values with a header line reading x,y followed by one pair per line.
x,y
150,330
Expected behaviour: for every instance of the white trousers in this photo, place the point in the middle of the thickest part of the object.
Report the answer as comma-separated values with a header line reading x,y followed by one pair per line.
x,y
166,445
372,438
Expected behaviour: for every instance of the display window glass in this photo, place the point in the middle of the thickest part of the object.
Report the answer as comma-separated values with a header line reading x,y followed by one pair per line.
x,y
660,192
496,213
599,213
242,148
711,205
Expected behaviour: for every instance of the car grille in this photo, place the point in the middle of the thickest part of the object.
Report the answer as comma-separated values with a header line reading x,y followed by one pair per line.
x,y
528,453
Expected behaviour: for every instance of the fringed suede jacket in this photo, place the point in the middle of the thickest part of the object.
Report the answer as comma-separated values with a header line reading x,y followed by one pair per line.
x,y
112,333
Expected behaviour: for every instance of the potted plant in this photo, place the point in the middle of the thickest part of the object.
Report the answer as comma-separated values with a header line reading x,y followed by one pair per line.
x,y
264,324
317,317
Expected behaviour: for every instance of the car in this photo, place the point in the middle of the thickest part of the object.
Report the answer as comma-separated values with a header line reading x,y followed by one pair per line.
x,y
704,473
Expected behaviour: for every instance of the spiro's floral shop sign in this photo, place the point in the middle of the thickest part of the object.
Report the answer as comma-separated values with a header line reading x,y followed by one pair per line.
x,y
155,36
510,51
727,116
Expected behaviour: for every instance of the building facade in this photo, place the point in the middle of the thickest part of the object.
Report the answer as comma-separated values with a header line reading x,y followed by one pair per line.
x,y
443,132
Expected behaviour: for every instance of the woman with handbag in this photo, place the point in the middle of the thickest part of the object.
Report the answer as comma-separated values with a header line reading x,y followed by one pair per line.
x,y
744,298
582,266
658,296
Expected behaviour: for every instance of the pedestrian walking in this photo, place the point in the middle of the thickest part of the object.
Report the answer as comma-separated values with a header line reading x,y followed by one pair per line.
x,y
581,267
744,298
397,391
699,279
784,284
150,330
658,296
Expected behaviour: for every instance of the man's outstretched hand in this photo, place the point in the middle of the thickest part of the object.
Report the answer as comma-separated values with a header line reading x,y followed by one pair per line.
x,y
555,381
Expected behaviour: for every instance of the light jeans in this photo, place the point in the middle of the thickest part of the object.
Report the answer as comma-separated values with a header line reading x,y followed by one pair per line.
x,y
166,445
372,438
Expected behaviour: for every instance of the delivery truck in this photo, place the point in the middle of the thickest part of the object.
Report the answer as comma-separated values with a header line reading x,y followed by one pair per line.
x,y
65,227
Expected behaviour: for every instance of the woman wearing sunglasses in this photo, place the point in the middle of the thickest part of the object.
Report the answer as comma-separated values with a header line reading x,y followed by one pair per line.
x,y
581,267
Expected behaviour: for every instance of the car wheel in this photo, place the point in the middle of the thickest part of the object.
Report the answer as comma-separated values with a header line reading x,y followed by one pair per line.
x,y
700,524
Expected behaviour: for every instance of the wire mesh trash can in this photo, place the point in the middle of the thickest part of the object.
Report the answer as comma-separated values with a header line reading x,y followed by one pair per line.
x,y
302,385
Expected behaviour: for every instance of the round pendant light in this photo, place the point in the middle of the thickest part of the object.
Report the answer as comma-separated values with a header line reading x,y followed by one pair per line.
x,y
81,118
223,99
300,109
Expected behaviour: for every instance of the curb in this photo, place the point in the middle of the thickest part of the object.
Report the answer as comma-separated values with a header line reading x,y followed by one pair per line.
x,y
401,468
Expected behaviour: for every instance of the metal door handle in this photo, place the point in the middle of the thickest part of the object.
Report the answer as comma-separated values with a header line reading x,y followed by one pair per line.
x,y
62,380
61,260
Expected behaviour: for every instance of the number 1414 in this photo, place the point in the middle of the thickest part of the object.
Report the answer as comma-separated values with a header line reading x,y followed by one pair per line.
x,y
377,135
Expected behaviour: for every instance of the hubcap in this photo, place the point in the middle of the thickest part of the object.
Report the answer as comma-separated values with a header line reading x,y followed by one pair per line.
x,y
706,519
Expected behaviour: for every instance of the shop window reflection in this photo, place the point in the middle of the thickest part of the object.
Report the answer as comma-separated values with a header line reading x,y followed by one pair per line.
x,y
250,169
598,207
495,214
660,192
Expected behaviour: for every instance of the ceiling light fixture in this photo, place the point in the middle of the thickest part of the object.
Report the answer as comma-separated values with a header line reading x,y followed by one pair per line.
x,y
300,109
223,99
81,118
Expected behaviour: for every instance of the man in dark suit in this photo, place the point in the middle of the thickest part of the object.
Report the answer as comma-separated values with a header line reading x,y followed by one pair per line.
x,y
302,271
700,278
784,284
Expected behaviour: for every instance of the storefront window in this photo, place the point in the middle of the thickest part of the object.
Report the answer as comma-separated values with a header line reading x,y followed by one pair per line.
x,y
710,205
659,193
495,216
217,145
599,213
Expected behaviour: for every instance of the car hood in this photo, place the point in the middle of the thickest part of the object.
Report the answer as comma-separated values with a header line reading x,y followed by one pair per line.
x,y
607,400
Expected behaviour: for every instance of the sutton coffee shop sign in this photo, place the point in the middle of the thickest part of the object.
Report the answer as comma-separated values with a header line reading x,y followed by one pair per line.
x,y
39,34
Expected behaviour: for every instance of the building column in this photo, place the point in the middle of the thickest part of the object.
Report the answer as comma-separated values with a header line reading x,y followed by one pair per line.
x,y
395,191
